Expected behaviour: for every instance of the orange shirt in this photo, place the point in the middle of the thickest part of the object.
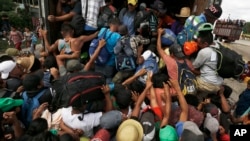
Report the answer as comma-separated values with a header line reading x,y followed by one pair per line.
x,y
165,21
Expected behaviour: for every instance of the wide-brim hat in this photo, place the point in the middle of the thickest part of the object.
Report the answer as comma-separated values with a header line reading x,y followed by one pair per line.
x,y
184,12
130,130
26,62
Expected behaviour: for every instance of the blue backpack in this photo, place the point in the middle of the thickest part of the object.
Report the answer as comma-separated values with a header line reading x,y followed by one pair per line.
x,y
29,105
188,32
104,55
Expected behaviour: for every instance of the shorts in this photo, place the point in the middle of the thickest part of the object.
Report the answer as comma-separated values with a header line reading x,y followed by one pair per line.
x,y
207,87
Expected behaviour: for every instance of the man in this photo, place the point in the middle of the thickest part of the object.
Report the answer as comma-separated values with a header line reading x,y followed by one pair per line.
x,y
177,66
164,20
127,16
205,64
178,25
65,14
243,105
209,15
68,47
90,12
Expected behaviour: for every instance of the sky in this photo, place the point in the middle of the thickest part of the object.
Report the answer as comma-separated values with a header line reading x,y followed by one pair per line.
x,y
237,9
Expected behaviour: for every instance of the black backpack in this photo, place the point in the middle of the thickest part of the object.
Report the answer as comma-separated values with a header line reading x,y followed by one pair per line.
x,y
83,85
106,13
148,17
230,63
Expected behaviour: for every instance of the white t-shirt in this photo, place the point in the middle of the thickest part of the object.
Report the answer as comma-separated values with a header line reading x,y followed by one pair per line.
x,y
89,121
206,60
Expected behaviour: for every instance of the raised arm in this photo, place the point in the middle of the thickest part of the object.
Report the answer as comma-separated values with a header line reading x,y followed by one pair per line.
x,y
50,48
85,38
167,106
92,59
224,105
182,101
136,110
159,47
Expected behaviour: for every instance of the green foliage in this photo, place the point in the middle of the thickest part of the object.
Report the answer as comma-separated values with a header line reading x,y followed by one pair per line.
x,y
20,19
7,5
246,28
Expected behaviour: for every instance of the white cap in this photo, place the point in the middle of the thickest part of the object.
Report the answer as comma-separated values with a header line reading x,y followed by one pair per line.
x,y
6,67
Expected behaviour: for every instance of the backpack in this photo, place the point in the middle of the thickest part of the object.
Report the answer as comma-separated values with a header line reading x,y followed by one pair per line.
x,y
230,63
187,79
104,55
83,85
124,60
78,23
188,32
106,13
149,64
29,105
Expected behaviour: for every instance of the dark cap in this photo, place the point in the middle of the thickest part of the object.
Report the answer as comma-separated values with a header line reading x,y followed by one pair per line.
x,y
73,65
159,6
176,49
214,11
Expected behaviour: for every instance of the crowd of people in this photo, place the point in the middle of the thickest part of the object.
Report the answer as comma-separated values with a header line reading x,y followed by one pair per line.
x,y
155,89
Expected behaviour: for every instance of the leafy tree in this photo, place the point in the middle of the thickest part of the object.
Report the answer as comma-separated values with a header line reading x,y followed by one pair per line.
x,y
246,28
7,5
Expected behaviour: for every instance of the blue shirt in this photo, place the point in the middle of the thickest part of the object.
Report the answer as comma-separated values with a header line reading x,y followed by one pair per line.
x,y
111,40
128,18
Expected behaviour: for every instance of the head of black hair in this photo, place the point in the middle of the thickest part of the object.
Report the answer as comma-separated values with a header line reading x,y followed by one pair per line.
x,y
31,82
50,62
37,126
158,79
66,137
136,86
227,91
114,21
122,96
206,36
67,28
36,66
5,58
145,31
215,99
152,47
192,100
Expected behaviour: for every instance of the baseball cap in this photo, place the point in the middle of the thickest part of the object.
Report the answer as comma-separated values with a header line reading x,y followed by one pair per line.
x,y
176,49
168,133
205,27
12,52
73,65
7,104
211,123
188,131
101,135
214,10
6,67
130,130
133,2
148,125
111,119
160,6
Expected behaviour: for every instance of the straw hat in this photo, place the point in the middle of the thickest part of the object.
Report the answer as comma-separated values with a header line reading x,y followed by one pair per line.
x,y
26,62
130,130
184,12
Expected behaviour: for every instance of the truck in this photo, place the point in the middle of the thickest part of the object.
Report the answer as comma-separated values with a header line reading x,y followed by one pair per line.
x,y
228,30
48,7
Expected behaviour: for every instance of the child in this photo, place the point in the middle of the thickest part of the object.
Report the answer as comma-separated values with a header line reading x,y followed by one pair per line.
x,y
33,43
16,37
27,36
